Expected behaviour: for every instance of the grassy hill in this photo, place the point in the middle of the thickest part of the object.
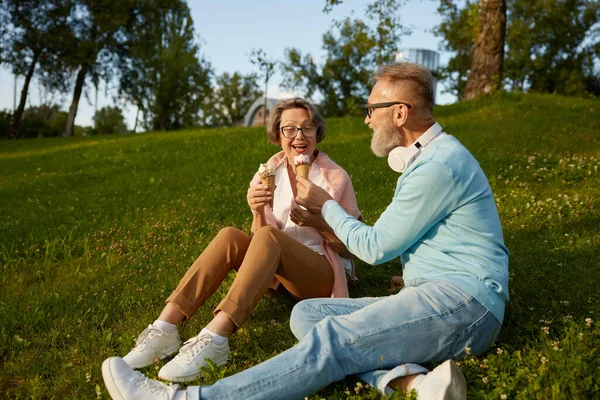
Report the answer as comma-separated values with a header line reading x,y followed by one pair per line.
x,y
95,233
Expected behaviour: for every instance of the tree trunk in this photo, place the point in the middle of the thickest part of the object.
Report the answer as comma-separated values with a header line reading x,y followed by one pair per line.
x,y
136,120
265,105
486,69
16,121
75,103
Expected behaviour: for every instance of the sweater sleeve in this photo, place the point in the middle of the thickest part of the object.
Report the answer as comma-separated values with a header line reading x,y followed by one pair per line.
x,y
422,199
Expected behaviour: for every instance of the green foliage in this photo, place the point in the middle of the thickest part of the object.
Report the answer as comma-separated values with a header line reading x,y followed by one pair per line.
x,y
39,121
343,80
162,71
86,48
388,29
266,67
232,97
5,119
354,48
30,32
458,31
329,4
97,231
551,46
109,120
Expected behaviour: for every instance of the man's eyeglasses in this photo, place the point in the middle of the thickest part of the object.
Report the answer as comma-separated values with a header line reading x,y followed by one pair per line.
x,y
290,132
371,107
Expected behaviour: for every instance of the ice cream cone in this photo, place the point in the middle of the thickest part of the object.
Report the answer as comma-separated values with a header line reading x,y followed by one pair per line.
x,y
267,177
269,182
302,163
302,170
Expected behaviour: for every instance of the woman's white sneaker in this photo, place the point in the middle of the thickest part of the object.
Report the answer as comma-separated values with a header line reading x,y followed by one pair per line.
x,y
152,345
186,366
123,383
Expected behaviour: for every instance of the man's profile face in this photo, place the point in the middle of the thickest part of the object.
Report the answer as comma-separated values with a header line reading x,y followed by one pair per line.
x,y
386,136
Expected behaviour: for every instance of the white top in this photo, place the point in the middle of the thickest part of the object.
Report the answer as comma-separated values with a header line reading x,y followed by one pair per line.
x,y
282,202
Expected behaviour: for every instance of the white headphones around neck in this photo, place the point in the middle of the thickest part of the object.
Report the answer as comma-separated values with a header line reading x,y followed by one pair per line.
x,y
400,158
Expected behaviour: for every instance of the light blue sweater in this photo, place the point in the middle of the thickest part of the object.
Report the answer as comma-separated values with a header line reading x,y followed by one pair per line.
x,y
442,222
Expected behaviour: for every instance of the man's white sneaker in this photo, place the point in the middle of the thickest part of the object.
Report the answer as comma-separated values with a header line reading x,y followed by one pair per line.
x,y
123,383
154,343
186,366
445,382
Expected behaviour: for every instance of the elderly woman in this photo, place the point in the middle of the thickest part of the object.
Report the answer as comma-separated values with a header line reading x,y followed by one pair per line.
x,y
288,246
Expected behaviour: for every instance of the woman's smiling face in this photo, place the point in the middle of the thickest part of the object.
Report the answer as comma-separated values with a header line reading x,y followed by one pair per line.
x,y
297,117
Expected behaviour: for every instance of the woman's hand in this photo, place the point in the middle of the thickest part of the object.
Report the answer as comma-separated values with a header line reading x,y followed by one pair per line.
x,y
258,197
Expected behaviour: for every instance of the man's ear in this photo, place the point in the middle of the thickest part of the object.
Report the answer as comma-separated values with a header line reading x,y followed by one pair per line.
x,y
400,115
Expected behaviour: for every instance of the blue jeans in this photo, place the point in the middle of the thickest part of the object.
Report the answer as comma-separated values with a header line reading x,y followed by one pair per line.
x,y
377,339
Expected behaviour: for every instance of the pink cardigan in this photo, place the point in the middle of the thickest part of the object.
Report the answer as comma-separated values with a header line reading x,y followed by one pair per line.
x,y
340,188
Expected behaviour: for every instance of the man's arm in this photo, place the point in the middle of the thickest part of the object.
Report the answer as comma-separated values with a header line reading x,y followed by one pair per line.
x,y
425,198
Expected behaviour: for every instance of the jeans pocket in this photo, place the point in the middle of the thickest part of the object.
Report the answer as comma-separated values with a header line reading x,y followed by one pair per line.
x,y
461,347
477,337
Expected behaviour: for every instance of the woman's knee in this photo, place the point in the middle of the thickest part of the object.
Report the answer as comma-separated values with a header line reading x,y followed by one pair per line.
x,y
267,233
231,234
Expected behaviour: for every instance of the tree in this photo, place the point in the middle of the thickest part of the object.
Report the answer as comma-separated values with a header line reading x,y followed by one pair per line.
x,y
162,71
97,27
354,48
488,56
109,120
551,45
343,80
388,29
458,31
232,97
29,30
266,66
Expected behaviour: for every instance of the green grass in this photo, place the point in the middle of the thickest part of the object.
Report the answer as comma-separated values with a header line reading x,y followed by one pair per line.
x,y
96,232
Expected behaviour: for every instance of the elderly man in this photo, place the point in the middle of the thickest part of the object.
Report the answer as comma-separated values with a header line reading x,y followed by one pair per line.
x,y
443,223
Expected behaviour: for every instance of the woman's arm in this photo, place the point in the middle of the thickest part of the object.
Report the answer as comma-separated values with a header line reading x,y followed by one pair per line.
x,y
258,197
303,217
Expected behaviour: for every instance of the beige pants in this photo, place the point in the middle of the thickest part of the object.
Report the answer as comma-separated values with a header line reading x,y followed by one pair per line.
x,y
270,253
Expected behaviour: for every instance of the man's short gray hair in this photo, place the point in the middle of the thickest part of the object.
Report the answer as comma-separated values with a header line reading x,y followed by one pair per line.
x,y
420,77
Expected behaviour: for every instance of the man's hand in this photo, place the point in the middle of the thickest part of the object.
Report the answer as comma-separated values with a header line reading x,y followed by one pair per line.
x,y
302,217
311,196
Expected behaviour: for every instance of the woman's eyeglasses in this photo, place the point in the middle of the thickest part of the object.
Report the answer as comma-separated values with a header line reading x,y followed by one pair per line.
x,y
290,132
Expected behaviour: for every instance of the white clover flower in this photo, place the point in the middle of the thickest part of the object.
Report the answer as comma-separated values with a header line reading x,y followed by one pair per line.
x,y
546,330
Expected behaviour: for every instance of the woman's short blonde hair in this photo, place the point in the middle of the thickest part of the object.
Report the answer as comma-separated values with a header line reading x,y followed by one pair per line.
x,y
289,104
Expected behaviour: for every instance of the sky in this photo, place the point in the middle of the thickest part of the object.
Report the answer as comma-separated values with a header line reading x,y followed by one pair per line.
x,y
229,30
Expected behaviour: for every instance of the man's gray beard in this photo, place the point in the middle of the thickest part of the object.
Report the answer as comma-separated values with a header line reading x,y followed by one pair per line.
x,y
384,140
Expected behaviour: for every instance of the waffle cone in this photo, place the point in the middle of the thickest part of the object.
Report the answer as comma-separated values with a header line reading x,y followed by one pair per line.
x,y
302,170
269,182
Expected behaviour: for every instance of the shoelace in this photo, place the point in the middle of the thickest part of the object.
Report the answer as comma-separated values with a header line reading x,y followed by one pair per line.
x,y
192,347
152,386
146,335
